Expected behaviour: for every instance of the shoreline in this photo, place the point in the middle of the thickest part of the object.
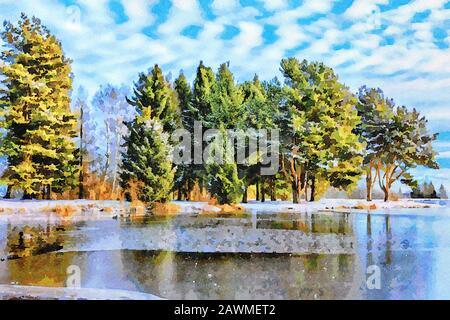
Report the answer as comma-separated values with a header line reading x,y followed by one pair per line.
x,y
95,209
20,292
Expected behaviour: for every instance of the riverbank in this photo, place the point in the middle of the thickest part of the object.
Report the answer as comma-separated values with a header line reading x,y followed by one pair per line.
x,y
111,208
17,292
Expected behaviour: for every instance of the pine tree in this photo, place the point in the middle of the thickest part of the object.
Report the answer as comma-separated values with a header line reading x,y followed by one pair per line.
x,y
226,108
146,162
185,176
405,144
324,118
153,98
35,103
204,84
375,111
442,192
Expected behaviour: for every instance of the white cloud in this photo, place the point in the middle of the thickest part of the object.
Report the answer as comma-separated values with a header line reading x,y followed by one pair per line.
x,y
413,70
274,4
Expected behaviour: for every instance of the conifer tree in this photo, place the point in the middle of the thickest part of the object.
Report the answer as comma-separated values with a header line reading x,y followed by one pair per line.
x,y
146,163
204,85
323,120
200,108
35,103
406,144
442,192
375,111
147,159
226,108
185,176
153,98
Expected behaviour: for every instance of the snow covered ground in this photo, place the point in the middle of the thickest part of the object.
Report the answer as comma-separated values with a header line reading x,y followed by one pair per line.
x,y
50,293
341,205
110,208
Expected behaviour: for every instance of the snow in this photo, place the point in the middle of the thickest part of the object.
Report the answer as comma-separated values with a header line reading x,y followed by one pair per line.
x,y
45,293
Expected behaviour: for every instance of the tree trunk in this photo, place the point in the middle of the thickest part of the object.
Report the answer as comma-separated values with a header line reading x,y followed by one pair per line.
x,y
273,196
8,192
26,196
179,195
386,194
245,195
81,176
116,161
295,193
263,190
313,189
49,191
369,188
369,184
107,154
257,190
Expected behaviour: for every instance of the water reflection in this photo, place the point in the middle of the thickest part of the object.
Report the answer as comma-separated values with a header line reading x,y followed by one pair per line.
x,y
411,251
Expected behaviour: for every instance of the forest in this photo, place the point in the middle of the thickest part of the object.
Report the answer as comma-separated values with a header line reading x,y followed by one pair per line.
x,y
61,144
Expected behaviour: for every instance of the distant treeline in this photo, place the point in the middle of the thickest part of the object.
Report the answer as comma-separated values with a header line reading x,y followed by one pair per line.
x,y
118,146
427,190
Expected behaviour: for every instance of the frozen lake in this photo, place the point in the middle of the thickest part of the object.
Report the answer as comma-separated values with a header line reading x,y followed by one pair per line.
x,y
255,256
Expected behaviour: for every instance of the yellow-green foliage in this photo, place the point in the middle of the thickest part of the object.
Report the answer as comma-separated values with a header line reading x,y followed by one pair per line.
x,y
36,111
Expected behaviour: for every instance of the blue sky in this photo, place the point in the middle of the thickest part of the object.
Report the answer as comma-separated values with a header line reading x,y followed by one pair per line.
x,y
401,46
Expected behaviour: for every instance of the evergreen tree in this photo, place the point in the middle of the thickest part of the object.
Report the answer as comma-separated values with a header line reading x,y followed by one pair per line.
x,y
375,111
226,108
323,118
405,144
153,98
146,163
185,176
36,111
204,84
260,111
431,191
442,192
147,160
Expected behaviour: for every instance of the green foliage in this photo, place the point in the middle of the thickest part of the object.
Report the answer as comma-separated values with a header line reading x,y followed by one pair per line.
x,y
396,138
204,84
323,117
36,111
224,183
146,161
226,101
328,136
185,175
153,98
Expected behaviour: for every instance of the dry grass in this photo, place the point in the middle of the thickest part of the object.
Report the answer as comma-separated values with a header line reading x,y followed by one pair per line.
x,y
165,208
223,209
65,210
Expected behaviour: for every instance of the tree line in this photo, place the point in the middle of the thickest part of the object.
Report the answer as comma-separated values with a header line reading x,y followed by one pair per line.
x,y
329,136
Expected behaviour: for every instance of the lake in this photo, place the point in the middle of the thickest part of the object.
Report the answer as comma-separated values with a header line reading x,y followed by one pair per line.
x,y
319,255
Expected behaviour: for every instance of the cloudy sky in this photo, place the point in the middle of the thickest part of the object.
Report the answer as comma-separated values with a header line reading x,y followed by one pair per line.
x,y
401,46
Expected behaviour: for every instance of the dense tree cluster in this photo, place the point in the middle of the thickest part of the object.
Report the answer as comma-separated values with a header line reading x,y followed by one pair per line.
x,y
329,137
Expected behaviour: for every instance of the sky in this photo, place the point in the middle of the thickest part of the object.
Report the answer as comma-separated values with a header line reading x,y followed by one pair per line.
x,y
401,46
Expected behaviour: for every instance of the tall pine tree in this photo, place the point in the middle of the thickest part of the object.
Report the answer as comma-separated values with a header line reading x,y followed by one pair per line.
x,y
185,176
324,117
36,113
146,163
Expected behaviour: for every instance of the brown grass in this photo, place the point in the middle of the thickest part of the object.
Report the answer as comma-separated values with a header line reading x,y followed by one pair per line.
x,y
65,210
165,208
